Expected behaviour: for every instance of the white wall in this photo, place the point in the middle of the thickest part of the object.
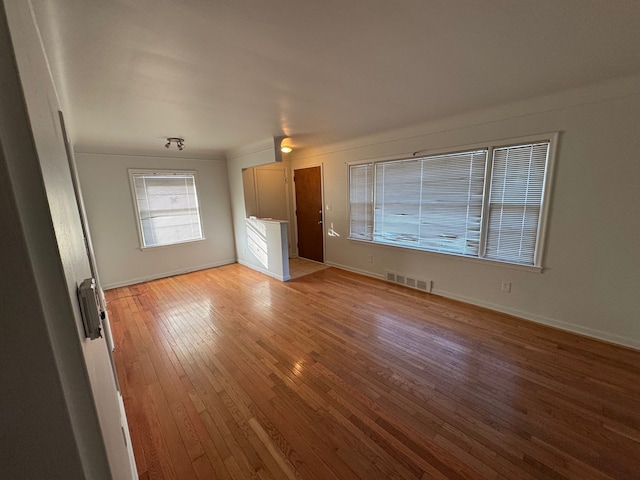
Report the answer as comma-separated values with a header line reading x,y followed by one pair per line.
x,y
591,278
271,192
262,153
110,208
61,414
266,195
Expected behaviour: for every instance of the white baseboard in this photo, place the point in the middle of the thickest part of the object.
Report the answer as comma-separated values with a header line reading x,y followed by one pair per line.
x,y
551,322
133,281
355,270
566,326
263,270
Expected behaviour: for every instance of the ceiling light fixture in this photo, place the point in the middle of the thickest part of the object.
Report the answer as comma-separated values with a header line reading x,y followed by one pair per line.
x,y
285,145
178,141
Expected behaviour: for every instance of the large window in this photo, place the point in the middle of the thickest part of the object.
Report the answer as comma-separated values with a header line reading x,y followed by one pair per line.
x,y
485,202
166,206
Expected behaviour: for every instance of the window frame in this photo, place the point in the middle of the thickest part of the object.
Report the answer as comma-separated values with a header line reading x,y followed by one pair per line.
x,y
490,146
132,172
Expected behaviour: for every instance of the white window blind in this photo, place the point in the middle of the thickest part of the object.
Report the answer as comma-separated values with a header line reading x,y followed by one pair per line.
x,y
360,201
166,207
397,202
433,203
446,203
452,187
515,203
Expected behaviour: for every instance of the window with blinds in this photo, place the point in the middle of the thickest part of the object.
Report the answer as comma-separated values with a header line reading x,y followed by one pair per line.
x,y
484,203
432,203
515,200
361,201
166,207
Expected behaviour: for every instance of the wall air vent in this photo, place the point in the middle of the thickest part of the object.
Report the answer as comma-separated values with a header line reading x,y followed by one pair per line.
x,y
409,281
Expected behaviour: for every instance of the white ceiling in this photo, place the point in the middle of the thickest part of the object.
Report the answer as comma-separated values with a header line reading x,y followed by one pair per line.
x,y
228,73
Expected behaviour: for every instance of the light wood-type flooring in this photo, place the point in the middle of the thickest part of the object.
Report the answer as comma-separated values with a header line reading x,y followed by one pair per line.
x,y
227,373
299,267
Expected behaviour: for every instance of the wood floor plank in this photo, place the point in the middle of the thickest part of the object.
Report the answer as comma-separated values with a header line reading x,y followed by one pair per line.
x,y
229,374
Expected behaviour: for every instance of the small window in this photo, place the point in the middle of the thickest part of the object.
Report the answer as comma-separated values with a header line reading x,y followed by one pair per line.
x,y
166,205
487,202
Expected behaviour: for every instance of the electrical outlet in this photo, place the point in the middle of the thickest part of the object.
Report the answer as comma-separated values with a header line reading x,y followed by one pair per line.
x,y
506,287
370,258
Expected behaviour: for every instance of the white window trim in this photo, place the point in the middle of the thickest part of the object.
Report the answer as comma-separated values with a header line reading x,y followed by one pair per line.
x,y
136,213
541,236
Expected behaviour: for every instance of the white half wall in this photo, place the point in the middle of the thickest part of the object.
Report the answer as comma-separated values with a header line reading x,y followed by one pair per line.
x,y
262,153
107,194
591,278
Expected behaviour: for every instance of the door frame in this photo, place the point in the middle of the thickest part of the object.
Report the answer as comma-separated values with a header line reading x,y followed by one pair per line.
x,y
294,217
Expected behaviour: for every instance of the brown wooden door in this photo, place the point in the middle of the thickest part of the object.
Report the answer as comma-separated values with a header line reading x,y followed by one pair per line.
x,y
308,185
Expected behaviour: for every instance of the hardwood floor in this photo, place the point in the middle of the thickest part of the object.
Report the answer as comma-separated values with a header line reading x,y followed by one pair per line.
x,y
227,373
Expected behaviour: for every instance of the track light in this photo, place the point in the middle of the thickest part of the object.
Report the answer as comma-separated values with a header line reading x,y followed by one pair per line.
x,y
178,141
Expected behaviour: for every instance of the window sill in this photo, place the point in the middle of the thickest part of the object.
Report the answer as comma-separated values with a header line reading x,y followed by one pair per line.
x,y
176,244
485,261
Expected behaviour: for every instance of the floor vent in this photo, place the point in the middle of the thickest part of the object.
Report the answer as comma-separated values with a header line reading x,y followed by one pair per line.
x,y
411,282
